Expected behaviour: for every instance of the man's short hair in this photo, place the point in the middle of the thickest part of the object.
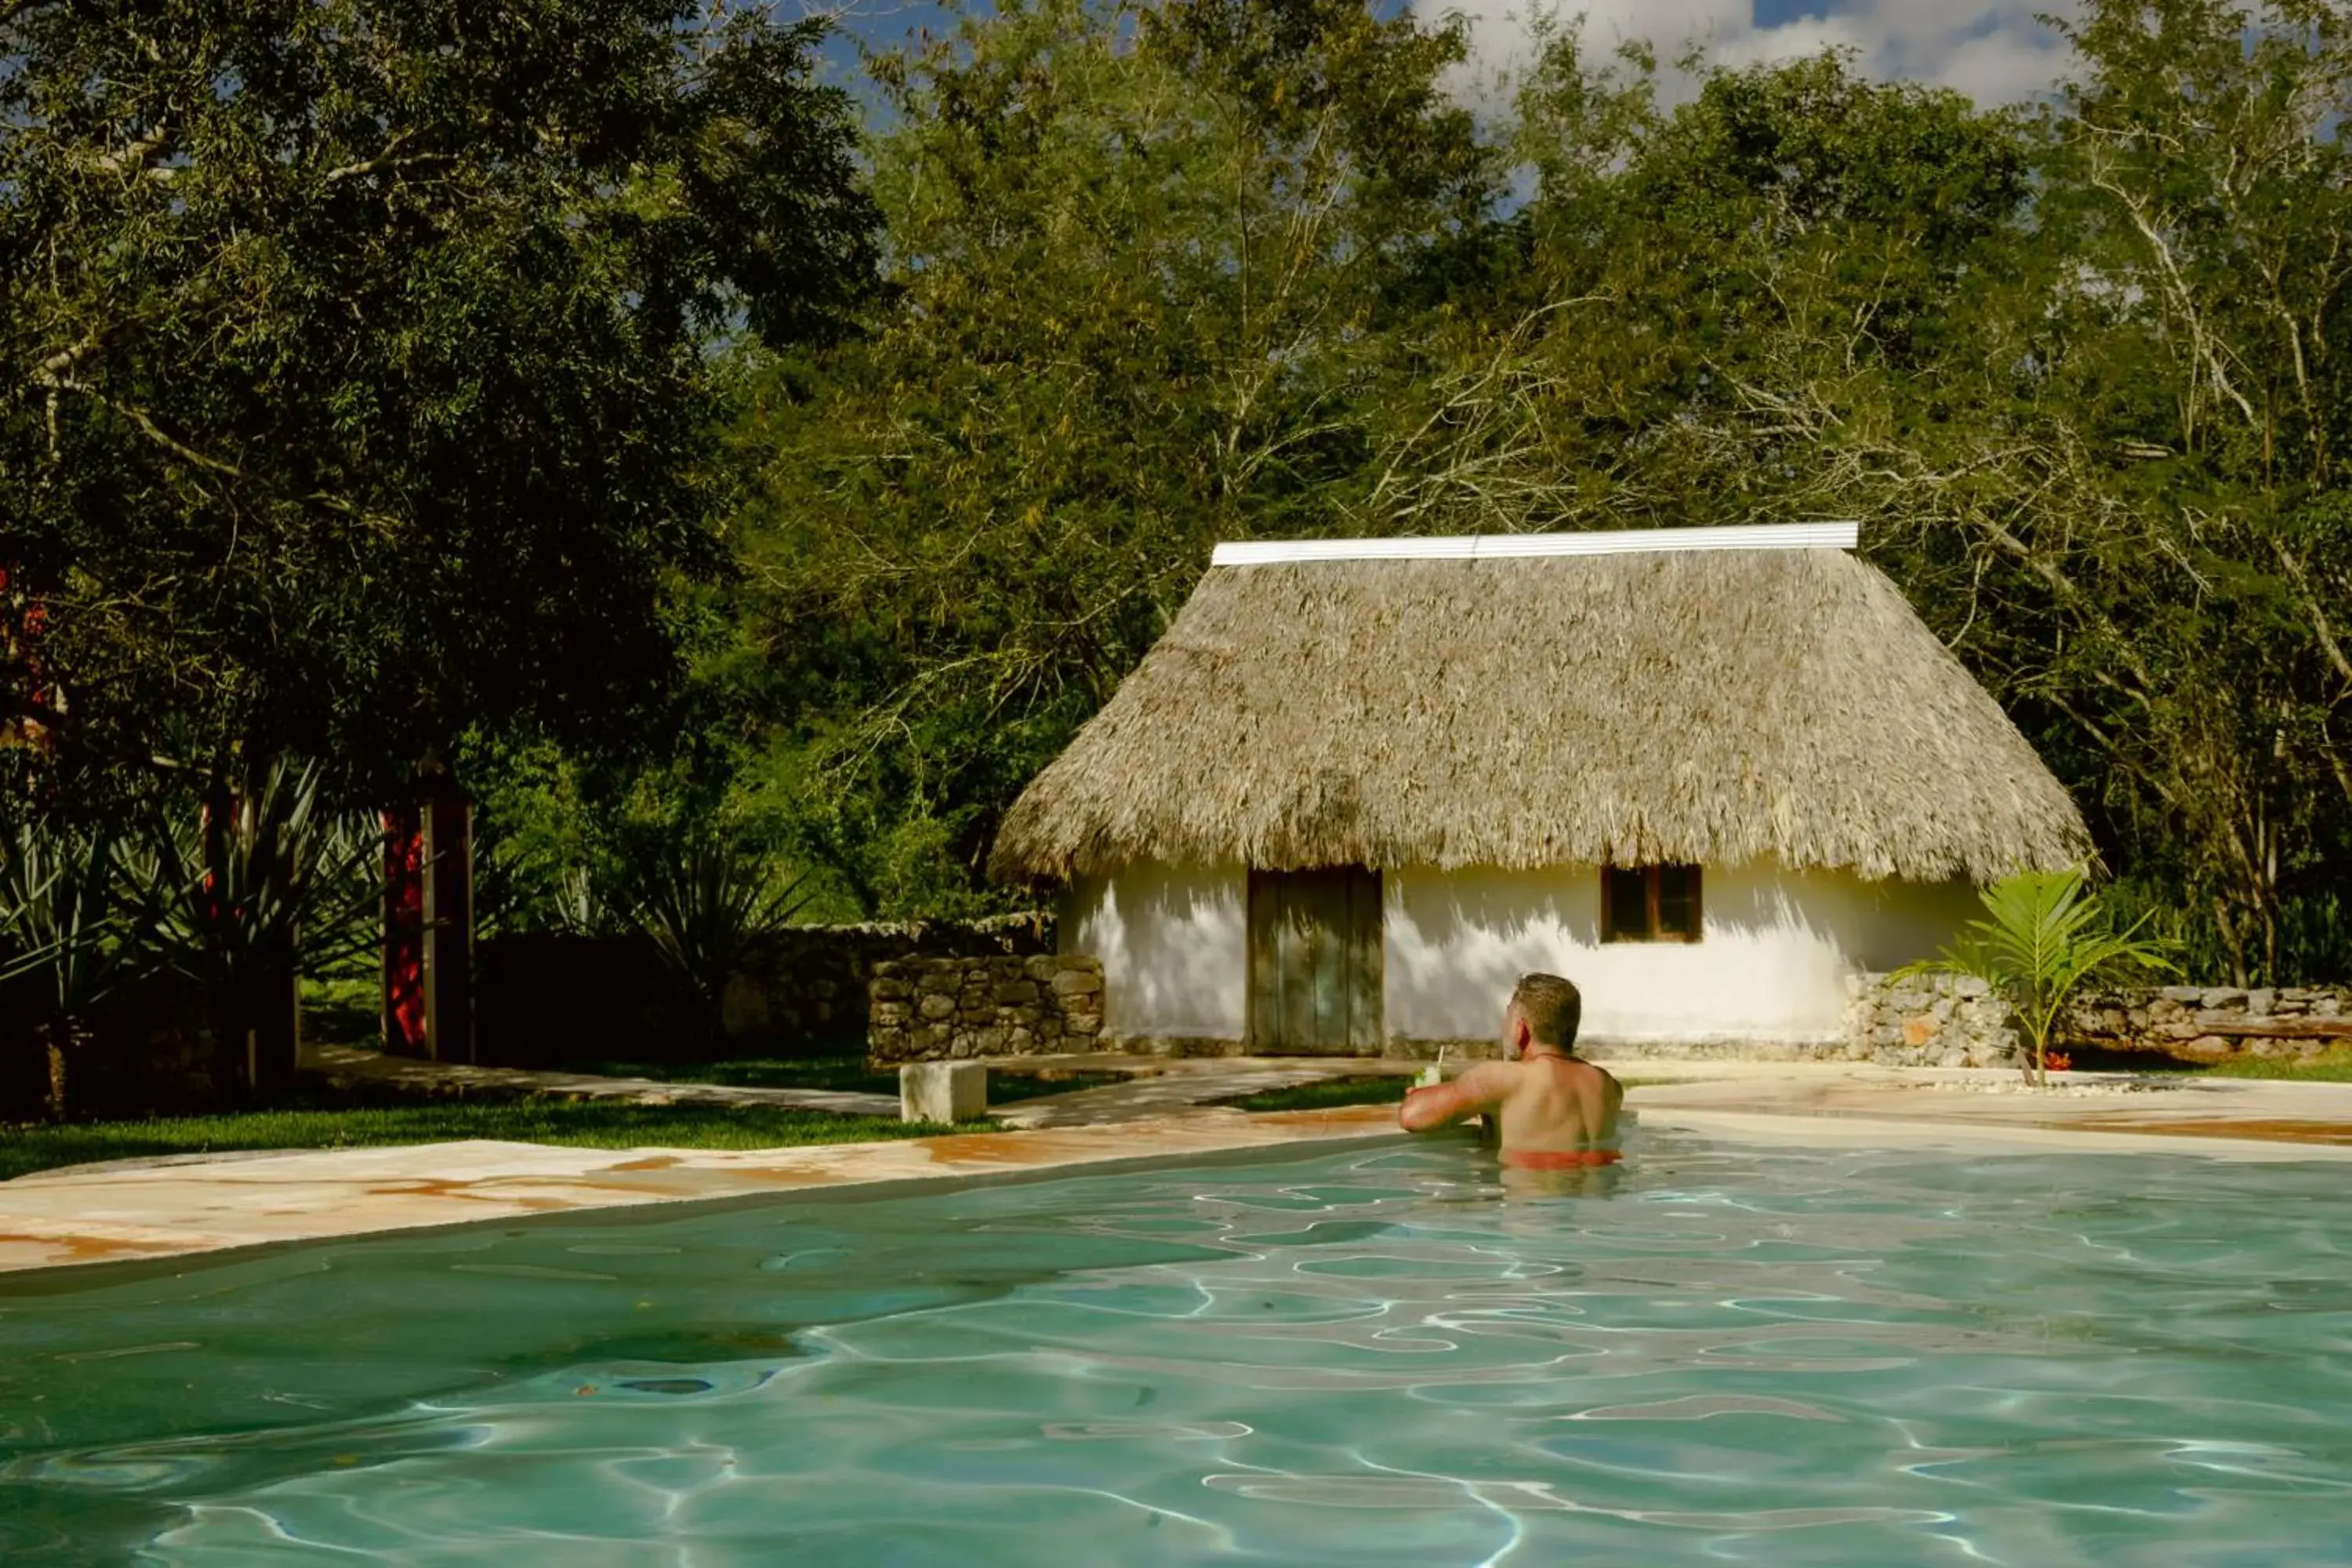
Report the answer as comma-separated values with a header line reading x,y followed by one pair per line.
x,y
1552,1007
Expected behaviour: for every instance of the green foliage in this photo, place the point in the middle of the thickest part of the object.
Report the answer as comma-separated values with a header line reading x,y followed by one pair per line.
x,y
706,898
1149,266
2329,1066
63,929
1387,1089
361,393
262,882
237,892
2046,940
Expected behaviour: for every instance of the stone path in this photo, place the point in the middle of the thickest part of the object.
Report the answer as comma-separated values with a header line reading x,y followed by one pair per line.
x,y
346,1065
2310,1120
133,1210
1155,1085
1178,1085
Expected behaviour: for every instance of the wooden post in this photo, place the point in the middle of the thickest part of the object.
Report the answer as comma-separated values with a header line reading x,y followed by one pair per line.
x,y
404,932
428,928
449,823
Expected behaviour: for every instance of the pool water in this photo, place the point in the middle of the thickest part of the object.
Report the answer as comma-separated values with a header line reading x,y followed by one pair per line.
x,y
1710,1354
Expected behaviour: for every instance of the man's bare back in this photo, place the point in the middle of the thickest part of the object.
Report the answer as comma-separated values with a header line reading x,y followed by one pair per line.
x,y
1552,1110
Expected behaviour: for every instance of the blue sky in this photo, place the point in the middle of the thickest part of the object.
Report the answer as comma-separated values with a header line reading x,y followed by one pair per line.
x,y
1994,50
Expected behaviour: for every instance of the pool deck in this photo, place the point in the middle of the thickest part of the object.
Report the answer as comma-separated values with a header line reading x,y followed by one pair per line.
x,y
154,1209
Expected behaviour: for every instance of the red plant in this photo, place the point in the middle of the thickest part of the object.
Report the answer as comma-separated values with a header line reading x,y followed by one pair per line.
x,y
2059,1061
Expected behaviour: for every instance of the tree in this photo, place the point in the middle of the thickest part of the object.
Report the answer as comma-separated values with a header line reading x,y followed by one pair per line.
x,y
355,382
1147,264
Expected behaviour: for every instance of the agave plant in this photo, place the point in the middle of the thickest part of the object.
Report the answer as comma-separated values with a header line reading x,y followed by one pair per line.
x,y
2046,938
69,939
264,882
705,896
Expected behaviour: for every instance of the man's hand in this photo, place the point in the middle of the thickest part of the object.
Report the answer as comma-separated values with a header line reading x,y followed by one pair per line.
x,y
1441,1103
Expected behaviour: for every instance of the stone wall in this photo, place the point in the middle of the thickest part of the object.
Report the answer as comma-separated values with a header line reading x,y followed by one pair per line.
x,y
546,999
932,1009
2217,1023
1921,1022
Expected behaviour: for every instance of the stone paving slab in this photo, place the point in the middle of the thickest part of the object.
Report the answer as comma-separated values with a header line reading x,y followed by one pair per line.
x,y
2160,1104
351,1065
1184,1089
1154,1086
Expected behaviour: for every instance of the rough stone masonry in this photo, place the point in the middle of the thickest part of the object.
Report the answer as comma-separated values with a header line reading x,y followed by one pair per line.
x,y
934,1009
1917,1021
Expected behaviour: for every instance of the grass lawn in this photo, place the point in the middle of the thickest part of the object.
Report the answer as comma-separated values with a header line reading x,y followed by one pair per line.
x,y
2331,1066
838,1072
1385,1088
585,1124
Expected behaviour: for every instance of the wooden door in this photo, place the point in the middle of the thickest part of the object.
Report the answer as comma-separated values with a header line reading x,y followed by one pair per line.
x,y
1314,962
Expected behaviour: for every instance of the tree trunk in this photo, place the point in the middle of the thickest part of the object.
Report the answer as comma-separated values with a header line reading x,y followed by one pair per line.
x,y
256,1036
22,1064
62,1059
275,1032
2231,940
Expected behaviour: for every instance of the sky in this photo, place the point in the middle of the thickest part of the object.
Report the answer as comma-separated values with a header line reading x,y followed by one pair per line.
x,y
1994,50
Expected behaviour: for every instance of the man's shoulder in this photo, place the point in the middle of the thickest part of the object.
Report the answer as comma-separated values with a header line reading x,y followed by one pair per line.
x,y
1596,1072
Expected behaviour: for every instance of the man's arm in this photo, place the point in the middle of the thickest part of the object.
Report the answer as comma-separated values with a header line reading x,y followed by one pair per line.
x,y
1479,1089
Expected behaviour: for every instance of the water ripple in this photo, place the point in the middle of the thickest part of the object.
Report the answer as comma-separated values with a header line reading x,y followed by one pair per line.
x,y
1852,1357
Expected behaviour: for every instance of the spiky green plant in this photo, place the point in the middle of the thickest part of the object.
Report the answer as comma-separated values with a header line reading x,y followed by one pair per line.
x,y
266,882
68,939
705,894
61,920
2047,937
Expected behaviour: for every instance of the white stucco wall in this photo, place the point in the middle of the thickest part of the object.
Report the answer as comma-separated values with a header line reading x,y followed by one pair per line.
x,y
1174,945
1775,951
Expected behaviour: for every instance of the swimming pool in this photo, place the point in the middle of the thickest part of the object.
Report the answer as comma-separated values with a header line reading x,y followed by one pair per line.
x,y
1711,1354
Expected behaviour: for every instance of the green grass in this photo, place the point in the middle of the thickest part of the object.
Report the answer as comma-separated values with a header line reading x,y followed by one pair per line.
x,y
849,1073
342,1011
584,1124
2332,1067
1387,1089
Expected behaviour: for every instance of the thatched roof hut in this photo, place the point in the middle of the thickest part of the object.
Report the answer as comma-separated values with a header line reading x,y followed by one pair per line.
x,y
1635,700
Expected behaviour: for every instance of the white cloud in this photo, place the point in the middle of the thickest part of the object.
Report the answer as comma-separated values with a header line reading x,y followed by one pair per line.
x,y
1996,52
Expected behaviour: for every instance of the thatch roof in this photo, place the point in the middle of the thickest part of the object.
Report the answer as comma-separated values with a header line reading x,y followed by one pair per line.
x,y
1714,706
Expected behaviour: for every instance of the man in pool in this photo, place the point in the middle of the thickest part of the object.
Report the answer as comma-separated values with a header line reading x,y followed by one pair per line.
x,y
1553,1112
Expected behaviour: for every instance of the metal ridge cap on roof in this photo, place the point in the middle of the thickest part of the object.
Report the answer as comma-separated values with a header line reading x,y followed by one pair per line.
x,y
1599,541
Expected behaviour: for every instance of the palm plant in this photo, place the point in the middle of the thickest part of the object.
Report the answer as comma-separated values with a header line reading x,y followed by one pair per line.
x,y
2046,939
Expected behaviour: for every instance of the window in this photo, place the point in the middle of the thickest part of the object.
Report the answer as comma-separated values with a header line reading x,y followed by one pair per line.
x,y
1649,903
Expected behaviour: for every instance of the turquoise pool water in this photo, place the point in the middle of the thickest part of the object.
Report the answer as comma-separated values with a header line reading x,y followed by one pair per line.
x,y
1712,1354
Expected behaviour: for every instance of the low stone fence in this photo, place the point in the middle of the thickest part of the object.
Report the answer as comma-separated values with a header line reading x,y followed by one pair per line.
x,y
1920,1022
545,998
933,1009
2215,1023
